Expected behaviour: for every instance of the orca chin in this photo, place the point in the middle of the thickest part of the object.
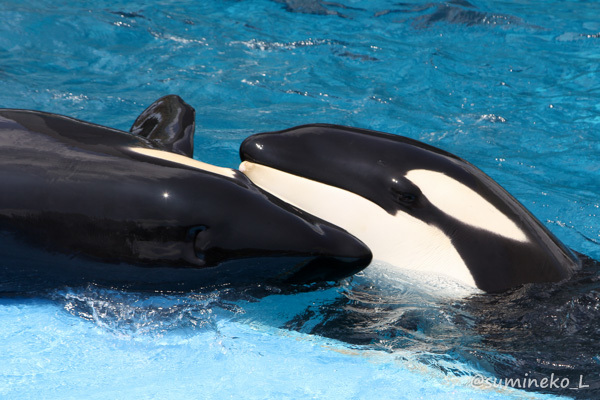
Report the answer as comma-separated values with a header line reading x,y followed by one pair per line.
x,y
416,207
82,203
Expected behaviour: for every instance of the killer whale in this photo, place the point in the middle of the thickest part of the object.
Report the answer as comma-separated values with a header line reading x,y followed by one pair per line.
x,y
416,206
84,203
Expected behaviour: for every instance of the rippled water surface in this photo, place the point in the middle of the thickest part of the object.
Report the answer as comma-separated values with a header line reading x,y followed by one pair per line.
x,y
511,86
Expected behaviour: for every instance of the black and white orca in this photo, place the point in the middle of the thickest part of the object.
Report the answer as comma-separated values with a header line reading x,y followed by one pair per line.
x,y
417,207
85,203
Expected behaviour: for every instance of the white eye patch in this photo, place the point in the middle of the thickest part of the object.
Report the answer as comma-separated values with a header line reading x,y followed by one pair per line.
x,y
179,159
464,204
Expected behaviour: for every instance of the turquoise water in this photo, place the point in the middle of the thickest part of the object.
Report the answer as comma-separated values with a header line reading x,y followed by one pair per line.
x,y
513,87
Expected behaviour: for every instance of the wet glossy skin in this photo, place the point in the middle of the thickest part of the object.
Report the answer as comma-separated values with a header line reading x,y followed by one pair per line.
x,y
378,166
78,205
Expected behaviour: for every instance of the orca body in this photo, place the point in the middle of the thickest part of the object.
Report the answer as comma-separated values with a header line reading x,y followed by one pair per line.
x,y
417,207
83,203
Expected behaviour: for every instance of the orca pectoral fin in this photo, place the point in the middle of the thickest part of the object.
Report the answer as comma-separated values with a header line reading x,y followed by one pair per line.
x,y
169,122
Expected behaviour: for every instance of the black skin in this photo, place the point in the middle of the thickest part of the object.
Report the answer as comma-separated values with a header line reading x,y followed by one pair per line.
x,y
78,206
169,122
366,162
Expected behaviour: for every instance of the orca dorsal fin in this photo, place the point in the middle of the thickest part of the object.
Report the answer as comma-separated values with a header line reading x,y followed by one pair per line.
x,y
169,122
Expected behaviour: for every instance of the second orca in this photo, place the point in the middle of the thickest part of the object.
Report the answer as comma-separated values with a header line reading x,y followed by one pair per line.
x,y
417,207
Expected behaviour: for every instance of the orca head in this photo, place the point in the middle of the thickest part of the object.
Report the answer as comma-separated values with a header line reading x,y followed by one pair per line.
x,y
275,241
414,205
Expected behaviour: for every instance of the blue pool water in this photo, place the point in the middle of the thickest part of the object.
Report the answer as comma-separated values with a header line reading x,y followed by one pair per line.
x,y
511,86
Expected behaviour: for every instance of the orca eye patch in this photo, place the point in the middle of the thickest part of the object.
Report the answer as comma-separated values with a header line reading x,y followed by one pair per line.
x,y
464,204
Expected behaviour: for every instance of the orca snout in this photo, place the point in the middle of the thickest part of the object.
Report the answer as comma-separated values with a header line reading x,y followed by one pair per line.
x,y
264,148
250,148
337,255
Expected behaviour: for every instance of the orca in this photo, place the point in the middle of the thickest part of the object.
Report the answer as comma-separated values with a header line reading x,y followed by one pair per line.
x,y
416,206
86,204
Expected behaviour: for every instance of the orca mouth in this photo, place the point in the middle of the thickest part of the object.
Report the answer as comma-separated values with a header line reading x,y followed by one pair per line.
x,y
329,269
